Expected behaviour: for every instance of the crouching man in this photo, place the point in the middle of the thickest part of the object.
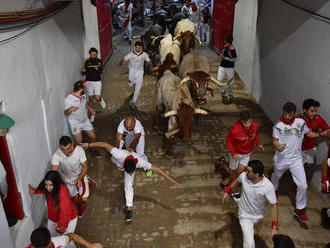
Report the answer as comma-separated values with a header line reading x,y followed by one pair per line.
x,y
128,162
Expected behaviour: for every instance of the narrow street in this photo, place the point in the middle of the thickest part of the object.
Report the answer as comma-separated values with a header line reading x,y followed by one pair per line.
x,y
192,214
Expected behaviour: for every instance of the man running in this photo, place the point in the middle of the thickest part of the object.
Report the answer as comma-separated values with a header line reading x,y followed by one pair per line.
x,y
75,107
227,64
240,141
125,19
93,68
128,162
136,60
134,134
256,189
314,122
288,134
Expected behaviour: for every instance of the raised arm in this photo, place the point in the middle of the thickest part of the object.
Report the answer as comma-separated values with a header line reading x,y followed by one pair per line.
x,y
163,174
80,240
104,145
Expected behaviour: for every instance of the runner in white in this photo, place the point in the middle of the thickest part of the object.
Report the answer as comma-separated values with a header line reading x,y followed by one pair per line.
x,y
288,135
128,162
136,60
75,107
40,238
71,162
134,134
256,189
125,19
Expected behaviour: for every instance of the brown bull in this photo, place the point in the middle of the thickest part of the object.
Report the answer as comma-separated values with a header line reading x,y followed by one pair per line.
x,y
177,101
195,69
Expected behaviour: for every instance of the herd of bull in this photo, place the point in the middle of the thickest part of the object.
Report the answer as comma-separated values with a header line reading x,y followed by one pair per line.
x,y
182,75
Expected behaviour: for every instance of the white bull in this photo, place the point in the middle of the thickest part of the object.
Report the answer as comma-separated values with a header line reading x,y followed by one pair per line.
x,y
168,46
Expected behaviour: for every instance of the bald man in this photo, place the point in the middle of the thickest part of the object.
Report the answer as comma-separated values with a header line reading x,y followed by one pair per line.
x,y
132,130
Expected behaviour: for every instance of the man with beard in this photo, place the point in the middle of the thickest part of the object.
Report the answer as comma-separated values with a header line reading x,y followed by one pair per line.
x,y
75,107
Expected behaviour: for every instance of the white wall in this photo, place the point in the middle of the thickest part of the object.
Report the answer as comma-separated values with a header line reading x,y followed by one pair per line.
x,y
244,34
91,35
41,65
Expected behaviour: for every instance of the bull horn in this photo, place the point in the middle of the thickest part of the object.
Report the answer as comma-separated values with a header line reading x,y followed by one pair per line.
x,y
170,113
186,79
218,82
171,133
154,39
136,37
200,111
199,41
168,20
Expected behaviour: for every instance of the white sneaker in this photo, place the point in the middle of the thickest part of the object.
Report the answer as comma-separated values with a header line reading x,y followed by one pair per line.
x,y
92,119
102,102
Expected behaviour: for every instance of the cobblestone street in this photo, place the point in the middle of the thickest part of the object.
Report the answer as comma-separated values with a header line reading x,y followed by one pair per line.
x,y
190,215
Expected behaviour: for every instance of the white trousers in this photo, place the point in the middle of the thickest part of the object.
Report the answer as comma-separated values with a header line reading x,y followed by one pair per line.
x,y
205,32
247,226
296,168
70,229
136,77
128,187
229,72
140,145
128,30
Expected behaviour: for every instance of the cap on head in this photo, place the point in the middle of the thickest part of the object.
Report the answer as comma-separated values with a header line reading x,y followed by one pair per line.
x,y
257,167
129,165
6,122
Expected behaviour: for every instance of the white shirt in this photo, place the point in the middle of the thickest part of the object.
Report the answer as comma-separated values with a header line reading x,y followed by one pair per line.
x,y
195,16
253,198
185,10
119,156
123,13
69,167
138,128
79,115
61,241
292,136
136,61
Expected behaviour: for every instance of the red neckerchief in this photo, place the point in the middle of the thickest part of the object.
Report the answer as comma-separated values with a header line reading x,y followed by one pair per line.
x,y
133,125
131,157
52,246
126,6
80,98
287,123
138,54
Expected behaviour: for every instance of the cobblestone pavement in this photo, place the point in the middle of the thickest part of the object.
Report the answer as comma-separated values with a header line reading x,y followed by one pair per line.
x,y
190,215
